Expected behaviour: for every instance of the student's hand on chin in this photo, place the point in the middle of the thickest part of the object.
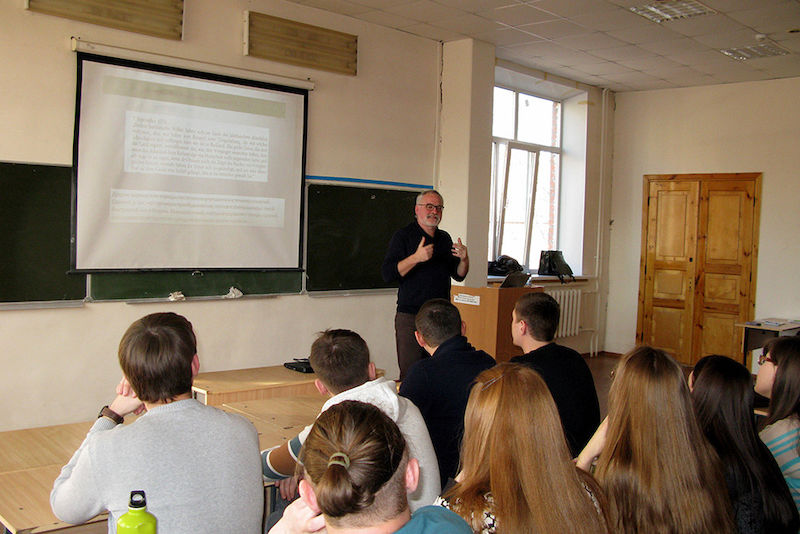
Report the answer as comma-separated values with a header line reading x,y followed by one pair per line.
x,y
124,405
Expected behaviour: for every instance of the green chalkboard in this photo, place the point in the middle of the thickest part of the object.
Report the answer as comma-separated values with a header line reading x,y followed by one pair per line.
x,y
35,236
158,285
349,229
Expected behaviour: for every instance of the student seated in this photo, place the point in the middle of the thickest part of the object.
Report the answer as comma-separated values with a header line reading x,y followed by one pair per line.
x,y
356,472
517,474
533,328
723,397
779,379
340,359
439,386
197,464
658,470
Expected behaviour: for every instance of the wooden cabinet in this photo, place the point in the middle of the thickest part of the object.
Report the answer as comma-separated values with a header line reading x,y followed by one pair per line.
x,y
699,248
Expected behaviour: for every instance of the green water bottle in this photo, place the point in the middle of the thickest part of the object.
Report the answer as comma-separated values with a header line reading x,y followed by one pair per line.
x,y
138,520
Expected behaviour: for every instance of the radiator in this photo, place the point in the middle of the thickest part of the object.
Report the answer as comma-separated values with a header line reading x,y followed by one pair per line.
x,y
570,302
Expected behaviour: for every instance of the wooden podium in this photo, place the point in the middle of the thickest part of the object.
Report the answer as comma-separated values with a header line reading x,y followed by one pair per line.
x,y
487,313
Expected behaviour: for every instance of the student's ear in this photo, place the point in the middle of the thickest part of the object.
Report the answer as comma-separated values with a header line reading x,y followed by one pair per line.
x,y
691,381
412,475
321,387
463,328
195,366
371,373
419,338
308,496
523,327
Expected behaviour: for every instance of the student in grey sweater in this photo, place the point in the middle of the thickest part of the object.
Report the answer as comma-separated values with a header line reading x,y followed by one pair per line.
x,y
198,465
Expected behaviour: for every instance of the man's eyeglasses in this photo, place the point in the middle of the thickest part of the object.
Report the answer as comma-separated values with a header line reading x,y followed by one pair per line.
x,y
431,207
765,357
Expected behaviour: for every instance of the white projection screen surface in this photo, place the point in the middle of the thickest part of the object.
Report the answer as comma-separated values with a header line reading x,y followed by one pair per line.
x,y
178,169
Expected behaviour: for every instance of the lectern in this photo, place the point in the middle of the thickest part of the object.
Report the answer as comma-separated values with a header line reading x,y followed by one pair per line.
x,y
487,314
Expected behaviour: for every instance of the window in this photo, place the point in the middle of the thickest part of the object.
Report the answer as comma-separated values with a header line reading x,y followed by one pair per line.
x,y
526,164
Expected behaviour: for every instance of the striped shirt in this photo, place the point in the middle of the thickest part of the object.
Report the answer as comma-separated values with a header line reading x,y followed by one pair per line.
x,y
782,438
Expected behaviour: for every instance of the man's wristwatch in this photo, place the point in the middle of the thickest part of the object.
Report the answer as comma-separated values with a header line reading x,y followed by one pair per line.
x,y
110,414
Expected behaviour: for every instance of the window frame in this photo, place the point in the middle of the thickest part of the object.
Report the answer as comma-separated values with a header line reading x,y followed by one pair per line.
x,y
497,220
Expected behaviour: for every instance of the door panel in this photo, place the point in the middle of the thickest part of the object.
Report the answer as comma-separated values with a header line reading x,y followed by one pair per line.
x,y
669,270
724,259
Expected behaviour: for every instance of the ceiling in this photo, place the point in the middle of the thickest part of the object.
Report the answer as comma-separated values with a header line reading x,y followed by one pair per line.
x,y
601,42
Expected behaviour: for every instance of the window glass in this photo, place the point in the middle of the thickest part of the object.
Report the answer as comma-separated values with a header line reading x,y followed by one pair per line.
x,y
539,121
503,114
544,230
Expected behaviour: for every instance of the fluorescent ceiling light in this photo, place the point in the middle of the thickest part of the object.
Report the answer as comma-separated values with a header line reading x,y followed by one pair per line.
x,y
757,51
667,10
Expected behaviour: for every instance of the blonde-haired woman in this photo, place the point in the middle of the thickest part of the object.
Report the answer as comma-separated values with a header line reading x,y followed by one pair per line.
x,y
658,471
516,472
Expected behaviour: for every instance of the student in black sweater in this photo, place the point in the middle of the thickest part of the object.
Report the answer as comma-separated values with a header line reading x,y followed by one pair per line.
x,y
440,385
533,328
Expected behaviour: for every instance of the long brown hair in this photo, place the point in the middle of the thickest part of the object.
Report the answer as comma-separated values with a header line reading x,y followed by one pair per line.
x,y
723,399
355,457
514,449
785,397
659,472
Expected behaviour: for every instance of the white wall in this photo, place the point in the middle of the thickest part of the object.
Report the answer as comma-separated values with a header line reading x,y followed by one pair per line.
x,y
744,127
59,365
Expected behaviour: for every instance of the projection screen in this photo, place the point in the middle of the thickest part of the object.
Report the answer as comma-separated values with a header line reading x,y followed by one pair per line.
x,y
179,169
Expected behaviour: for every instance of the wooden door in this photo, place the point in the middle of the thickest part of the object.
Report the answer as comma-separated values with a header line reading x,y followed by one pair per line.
x,y
669,267
699,248
724,254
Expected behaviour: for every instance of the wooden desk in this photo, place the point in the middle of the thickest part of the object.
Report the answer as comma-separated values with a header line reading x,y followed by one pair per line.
x,y
757,332
221,387
278,419
30,460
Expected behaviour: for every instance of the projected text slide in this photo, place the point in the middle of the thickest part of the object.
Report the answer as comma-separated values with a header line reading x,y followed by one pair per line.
x,y
182,146
134,206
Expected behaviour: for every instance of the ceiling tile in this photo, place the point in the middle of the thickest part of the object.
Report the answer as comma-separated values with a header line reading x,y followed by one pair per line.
x,y
727,6
645,33
343,7
425,11
384,18
778,66
771,18
674,46
623,52
685,75
468,24
700,58
432,32
603,68
382,4
709,24
590,41
507,37
474,6
575,7
728,39
649,64
553,29
518,15
619,19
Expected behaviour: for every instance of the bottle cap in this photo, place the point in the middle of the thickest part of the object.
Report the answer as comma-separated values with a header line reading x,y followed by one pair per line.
x,y
138,500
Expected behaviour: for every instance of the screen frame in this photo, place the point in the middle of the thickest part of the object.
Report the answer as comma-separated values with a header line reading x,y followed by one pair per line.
x,y
205,76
